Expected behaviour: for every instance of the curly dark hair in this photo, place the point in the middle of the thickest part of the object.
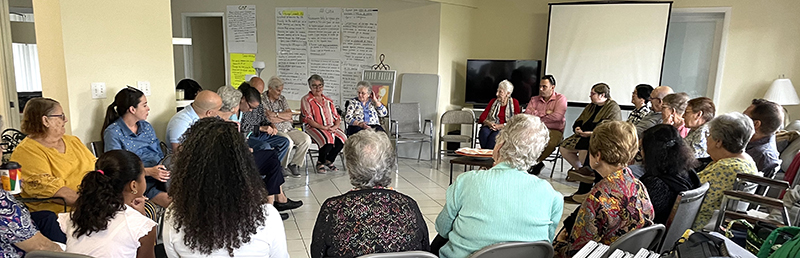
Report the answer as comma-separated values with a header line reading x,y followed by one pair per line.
x,y
665,151
217,194
100,193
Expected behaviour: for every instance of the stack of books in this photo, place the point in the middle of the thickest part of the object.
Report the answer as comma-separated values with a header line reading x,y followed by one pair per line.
x,y
596,250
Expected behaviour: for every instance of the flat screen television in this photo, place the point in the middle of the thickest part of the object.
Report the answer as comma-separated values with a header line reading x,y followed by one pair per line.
x,y
483,77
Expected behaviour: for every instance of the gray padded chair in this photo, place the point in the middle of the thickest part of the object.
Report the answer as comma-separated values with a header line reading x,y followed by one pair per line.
x,y
648,238
407,254
687,204
459,117
407,126
50,254
515,250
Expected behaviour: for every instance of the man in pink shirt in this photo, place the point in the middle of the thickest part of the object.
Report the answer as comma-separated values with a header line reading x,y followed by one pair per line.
x,y
550,107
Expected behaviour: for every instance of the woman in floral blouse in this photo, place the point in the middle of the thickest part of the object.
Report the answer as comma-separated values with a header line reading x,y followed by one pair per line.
x,y
363,111
619,203
727,138
640,98
19,234
372,217
698,112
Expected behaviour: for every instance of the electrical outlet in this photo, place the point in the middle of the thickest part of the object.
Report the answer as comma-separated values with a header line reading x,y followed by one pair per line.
x,y
144,86
98,90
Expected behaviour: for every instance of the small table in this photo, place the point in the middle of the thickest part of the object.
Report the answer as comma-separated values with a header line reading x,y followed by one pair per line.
x,y
470,161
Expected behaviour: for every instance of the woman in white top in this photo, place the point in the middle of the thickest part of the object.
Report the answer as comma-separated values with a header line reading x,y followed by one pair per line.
x,y
219,204
108,219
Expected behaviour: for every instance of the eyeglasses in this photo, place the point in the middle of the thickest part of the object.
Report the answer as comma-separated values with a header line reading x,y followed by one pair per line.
x,y
317,86
62,116
594,93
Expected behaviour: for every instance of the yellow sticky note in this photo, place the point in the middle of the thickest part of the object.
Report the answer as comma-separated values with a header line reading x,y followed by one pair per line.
x,y
292,13
241,65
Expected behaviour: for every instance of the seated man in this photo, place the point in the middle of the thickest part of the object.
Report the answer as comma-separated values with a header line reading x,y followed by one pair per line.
x,y
550,107
767,119
206,104
654,117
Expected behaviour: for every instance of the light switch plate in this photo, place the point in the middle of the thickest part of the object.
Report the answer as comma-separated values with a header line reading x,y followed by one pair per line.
x,y
98,90
144,86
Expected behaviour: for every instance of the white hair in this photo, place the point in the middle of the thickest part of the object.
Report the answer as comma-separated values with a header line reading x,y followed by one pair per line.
x,y
363,85
370,159
733,130
274,82
506,86
523,139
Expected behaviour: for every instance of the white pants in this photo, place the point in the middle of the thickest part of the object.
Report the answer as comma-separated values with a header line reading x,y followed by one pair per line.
x,y
301,142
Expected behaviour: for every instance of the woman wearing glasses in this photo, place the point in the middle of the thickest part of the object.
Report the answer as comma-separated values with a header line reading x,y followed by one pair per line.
x,y
53,164
322,121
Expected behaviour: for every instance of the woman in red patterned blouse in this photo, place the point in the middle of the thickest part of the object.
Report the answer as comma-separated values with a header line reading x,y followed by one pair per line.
x,y
617,204
322,120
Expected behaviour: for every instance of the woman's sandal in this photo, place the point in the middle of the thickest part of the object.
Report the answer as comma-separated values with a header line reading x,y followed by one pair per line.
x,y
321,168
331,167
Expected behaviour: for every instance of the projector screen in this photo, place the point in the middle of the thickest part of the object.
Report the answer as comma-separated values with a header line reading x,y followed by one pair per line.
x,y
621,44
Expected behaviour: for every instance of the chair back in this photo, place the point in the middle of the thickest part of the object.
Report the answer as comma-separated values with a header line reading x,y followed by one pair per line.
x,y
11,138
97,148
458,117
407,254
407,116
515,250
648,238
687,204
51,254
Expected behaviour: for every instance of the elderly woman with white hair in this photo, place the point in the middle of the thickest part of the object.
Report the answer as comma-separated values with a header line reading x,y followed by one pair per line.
x,y
372,217
364,110
231,98
728,136
498,112
503,203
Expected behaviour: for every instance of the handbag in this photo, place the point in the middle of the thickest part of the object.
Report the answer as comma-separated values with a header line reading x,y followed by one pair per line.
x,y
785,239
699,245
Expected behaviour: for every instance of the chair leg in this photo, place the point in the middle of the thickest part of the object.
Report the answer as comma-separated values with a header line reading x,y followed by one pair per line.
x,y
419,155
432,151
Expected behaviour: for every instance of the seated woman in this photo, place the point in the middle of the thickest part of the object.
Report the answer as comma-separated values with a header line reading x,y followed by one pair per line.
x,y
125,128
672,108
668,164
575,148
640,98
53,164
231,101
486,207
195,223
618,203
728,135
322,124
698,112
497,114
372,217
364,110
109,218
19,232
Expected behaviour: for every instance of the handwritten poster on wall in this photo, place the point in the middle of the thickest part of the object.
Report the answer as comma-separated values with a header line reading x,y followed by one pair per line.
x,y
241,65
241,29
336,43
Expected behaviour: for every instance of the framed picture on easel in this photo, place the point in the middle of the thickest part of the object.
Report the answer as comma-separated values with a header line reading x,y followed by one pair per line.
x,y
383,82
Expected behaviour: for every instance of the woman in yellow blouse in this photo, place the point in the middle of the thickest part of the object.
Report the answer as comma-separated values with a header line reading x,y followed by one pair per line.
x,y
53,164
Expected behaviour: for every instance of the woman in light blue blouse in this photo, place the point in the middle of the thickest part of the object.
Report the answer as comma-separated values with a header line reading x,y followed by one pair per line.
x,y
365,110
503,203
125,128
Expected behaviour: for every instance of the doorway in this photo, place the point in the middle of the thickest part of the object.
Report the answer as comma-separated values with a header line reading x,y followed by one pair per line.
x,y
205,60
695,50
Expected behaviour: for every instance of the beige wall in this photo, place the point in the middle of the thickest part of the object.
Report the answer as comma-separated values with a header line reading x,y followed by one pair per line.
x,y
454,50
408,31
763,41
116,42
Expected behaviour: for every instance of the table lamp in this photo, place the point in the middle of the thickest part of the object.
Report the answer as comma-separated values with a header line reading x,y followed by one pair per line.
x,y
782,92
259,66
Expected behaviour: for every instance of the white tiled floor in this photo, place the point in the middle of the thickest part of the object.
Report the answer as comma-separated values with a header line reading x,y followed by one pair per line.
x,y
424,183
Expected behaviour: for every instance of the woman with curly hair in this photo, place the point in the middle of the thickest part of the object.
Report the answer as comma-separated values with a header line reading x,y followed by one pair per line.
x,y
109,219
219,204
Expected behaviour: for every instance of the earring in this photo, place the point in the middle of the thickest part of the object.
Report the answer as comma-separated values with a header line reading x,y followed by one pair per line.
x,y
134,192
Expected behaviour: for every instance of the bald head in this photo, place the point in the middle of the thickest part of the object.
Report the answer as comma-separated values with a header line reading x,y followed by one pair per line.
x,y
207,104
257,83
659,93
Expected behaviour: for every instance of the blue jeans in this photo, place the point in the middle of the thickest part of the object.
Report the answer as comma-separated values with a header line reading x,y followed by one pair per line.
x,y
263,141
487,137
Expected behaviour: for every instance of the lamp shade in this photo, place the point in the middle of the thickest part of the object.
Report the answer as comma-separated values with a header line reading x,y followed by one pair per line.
x,y
782,92
259,65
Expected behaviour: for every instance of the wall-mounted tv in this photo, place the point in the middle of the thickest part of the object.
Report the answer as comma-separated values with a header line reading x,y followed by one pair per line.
x,y
483,76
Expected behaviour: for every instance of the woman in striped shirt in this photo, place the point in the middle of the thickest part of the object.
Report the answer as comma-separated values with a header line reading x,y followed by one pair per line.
x,y
322,124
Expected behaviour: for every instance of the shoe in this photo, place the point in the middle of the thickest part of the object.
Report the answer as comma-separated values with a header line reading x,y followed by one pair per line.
x,y
284,216
577,176
322,169
288,205
536,169
569,200
293,169
586,171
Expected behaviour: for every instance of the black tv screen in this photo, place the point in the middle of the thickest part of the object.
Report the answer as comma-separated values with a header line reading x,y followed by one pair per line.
x,y
483,77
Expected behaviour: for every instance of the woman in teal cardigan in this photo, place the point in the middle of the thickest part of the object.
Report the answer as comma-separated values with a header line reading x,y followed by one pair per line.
x,y
504,203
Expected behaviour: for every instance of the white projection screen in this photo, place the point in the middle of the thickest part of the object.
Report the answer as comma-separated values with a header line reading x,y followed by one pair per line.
x,y
621,44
